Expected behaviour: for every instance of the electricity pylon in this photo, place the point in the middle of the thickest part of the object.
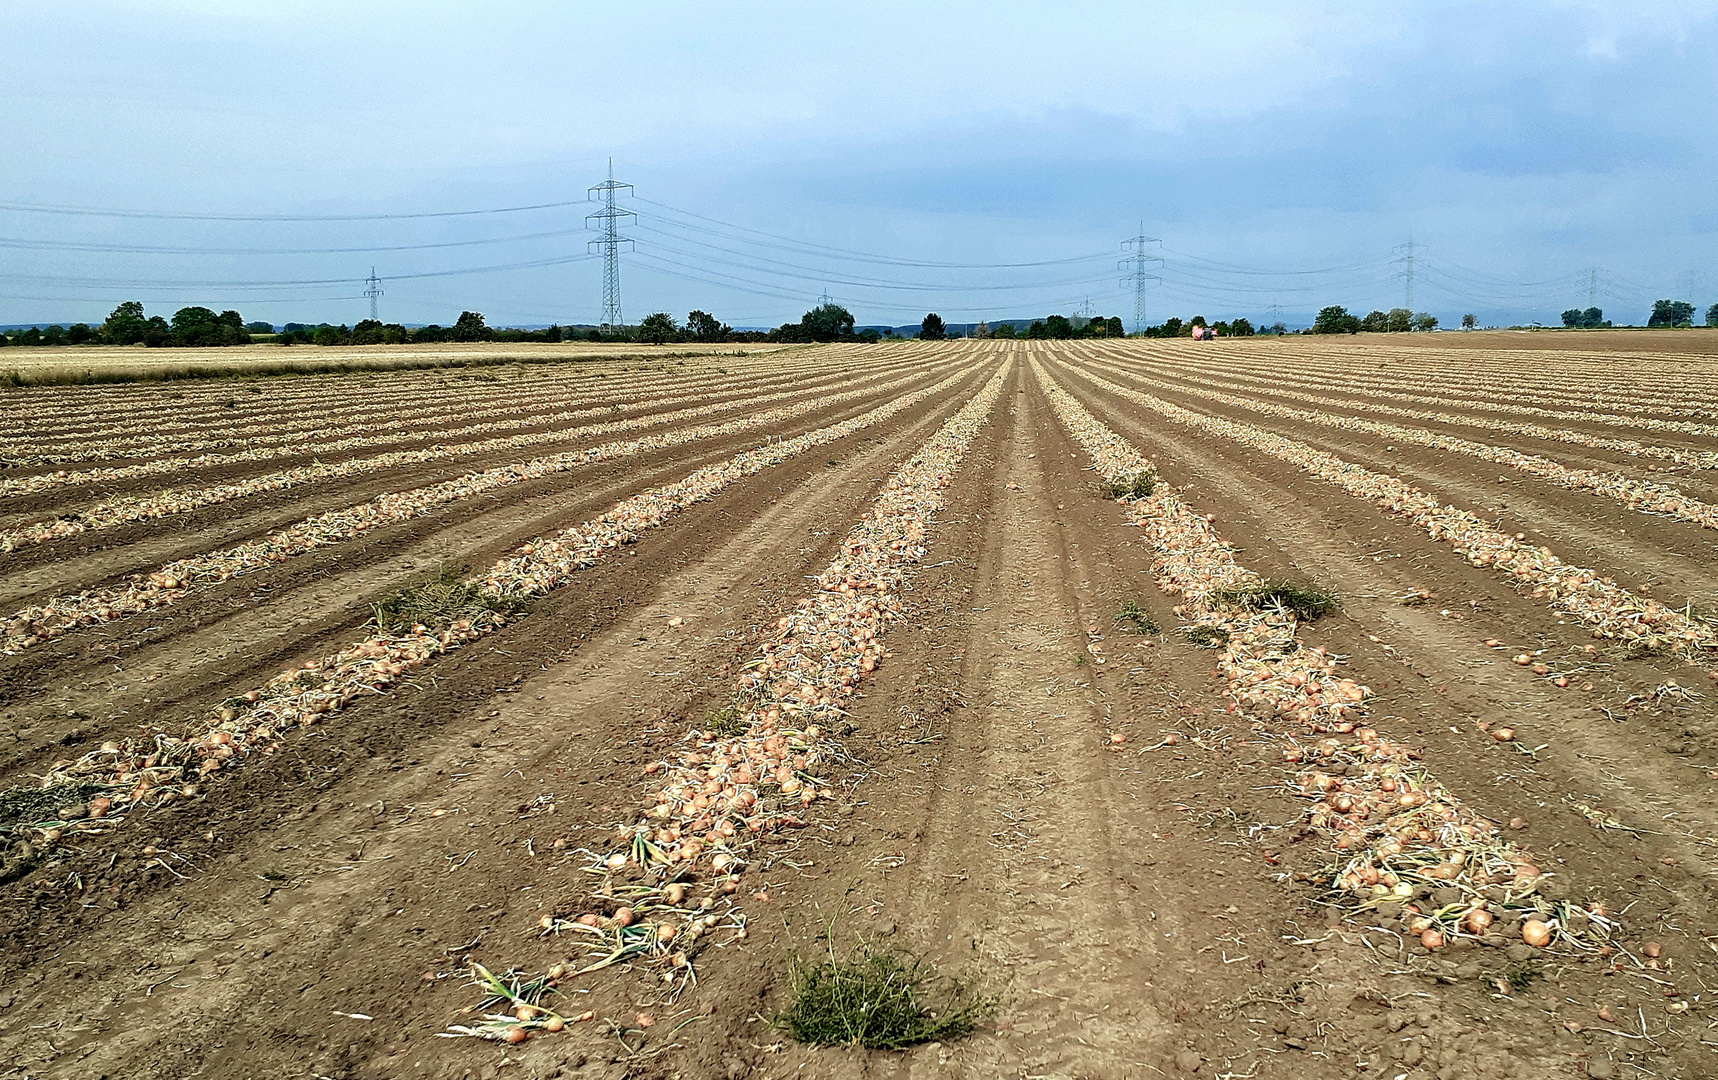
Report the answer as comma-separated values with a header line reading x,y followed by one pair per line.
x,y
1406,259
609,219
373,292
1141,262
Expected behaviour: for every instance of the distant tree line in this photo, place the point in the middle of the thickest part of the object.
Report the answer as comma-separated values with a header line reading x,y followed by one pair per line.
x,y
1337,320
1174,327
195,326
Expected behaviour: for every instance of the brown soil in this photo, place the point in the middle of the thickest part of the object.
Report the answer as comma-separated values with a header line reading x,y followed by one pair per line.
x,y
1139,909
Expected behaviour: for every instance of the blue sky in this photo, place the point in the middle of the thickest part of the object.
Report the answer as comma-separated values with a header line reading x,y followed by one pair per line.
x,y
903,157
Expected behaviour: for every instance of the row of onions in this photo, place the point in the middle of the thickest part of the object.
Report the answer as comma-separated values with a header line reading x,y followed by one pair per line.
x,y
338,438
215,401
1554,379
339,428
274,412
1646,496
1409,847
672,874
1699,459
1504,398
165,766
173,582
1606,608
126,509
332,389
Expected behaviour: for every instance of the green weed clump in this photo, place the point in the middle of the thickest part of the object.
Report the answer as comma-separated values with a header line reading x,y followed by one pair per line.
x,y
1140,620
1129,485
439,603
1304,601
878,1000
1207,636
727,721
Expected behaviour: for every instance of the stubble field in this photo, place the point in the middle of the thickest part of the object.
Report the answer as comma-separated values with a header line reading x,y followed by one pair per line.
x,y
1294,708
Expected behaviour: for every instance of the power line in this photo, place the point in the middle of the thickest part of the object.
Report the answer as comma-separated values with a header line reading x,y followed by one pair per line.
x,y
88,211
862,256
128,283
153,249
610,217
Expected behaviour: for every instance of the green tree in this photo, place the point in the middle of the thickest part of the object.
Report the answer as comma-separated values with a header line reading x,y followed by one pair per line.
x,y
1335,319
1037,330
367,332
1173,327
702,326
202,327
1058,328
1425,323
259,328
1005,330
471,327
1671,313
1241,328
1113,327
658,327
329,335
932,328
827,322
1468,322
1375,322
1399,320
1572,317
125,325
1712,315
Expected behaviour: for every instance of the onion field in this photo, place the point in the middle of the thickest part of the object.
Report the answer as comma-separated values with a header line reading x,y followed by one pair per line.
x,y
1298,707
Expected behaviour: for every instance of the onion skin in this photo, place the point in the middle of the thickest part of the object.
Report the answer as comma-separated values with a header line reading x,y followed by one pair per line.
x,y
1536,934
1478,921
1432,939
515,1034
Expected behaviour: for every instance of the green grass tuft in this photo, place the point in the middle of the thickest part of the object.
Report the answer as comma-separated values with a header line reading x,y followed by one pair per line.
x,y
1306,602
438,603
878,1000
1141,620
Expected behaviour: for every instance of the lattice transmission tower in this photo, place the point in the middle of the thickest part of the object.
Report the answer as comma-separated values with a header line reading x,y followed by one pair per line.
x,y
608,221
1406,260
373,292
1141,262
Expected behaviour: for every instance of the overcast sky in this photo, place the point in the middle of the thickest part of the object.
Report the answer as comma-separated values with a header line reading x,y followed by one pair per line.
x,y
1280,151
